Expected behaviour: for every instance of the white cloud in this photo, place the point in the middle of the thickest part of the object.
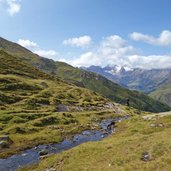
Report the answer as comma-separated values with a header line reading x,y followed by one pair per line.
x,y
114,50
164,38
86,59
151,61
31,45
82,41
11,6
47,53
27,43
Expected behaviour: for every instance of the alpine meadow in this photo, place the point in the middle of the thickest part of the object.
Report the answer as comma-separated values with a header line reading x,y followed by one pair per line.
x,y
85,85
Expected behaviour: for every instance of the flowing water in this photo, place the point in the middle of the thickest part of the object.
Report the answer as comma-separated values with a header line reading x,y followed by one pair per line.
x,y
32,156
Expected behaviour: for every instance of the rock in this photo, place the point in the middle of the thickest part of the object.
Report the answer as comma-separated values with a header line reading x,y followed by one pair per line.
x,y
62,108
105,132
145,156
36,148
111,125
5,141
102,136
43,152
44,156
4,144
161,125
86,133
5,138
152,125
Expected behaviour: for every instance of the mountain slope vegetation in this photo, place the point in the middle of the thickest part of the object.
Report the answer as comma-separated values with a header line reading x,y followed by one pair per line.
x,y
107,88
85,79
35,107
155,82
163,93
26,87
43,105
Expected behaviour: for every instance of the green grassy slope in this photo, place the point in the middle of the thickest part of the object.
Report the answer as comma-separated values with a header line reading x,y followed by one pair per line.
x,y
27,56
107,88
163,93
122,151
84,79
30,106
26,87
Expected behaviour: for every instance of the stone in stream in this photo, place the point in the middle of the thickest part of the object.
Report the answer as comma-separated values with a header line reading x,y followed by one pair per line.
x,y
43,152
111,125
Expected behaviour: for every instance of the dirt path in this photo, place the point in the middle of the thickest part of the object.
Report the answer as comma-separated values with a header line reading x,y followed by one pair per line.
x,y
157,115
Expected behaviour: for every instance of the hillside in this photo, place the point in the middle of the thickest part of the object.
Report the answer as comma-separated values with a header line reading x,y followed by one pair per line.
x,y
84,79
35,107
27,56
163,93
138,145
107,88
31,114
26,87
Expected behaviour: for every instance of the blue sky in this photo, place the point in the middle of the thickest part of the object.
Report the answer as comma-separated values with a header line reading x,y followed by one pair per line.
x,y
98,32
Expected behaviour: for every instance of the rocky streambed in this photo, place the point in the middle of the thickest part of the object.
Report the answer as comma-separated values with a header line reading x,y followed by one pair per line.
x,y
33,155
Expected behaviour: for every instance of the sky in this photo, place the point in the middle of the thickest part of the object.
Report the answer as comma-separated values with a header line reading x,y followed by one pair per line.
x,y
92,32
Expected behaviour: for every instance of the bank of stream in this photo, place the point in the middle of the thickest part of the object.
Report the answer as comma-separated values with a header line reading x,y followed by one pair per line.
x,y
33,155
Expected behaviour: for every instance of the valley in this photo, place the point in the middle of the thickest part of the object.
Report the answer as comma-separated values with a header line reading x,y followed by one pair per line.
x,y
85,85
44,104
154,82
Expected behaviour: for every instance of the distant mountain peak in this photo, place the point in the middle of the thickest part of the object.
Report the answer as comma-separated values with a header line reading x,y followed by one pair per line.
x,y
111,69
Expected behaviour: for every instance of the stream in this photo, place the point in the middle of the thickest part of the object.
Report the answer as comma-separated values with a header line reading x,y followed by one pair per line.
x,y
32,156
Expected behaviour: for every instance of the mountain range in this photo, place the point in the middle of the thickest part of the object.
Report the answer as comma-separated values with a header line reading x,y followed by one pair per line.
x,y
73,76
154,82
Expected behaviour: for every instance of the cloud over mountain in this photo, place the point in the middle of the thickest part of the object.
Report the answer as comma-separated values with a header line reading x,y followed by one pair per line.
x,y
114,50
34,47
27,43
